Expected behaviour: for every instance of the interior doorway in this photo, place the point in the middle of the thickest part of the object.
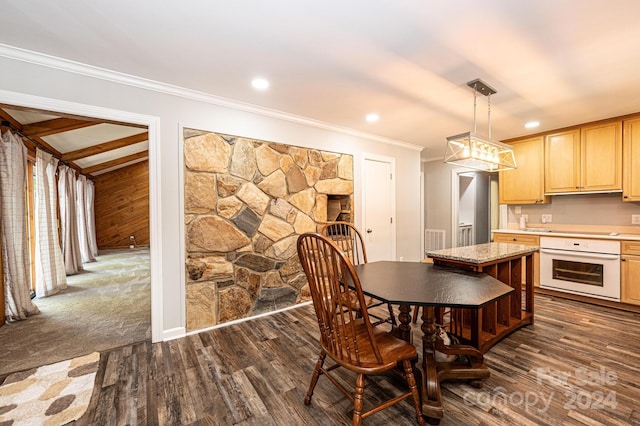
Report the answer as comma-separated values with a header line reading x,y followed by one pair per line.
x,y
473,206
146,256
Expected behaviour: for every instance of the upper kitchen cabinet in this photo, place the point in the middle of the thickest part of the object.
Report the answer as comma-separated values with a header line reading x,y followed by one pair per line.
x,y
525,184
586,159
631,156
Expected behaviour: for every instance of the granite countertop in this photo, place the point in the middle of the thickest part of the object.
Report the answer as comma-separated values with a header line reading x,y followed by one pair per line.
x,y
481,253
543,232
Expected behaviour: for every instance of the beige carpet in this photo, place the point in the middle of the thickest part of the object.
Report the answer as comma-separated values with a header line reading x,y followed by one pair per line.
x,y
106,306
50,395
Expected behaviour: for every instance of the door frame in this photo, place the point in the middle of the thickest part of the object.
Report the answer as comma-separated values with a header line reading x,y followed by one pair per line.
x,y
392,163
153,125
455,202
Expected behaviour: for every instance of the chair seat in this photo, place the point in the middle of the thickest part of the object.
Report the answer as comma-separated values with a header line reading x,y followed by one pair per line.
x,y
392,350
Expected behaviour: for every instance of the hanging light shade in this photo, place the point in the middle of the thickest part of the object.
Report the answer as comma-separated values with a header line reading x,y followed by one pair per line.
x,y
469,150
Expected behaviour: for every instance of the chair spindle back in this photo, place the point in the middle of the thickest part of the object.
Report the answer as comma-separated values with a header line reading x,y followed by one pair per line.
x,y
327,270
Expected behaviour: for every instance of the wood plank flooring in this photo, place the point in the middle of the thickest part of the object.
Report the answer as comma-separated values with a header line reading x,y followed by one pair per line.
x,y
578,365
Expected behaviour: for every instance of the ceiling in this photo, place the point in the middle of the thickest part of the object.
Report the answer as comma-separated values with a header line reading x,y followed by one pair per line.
x,y
557,62
90,146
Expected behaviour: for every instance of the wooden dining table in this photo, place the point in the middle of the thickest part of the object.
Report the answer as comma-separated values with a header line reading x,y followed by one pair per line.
x,y
416,284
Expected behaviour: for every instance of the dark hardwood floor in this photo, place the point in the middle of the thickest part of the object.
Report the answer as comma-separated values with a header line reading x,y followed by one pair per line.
x,y
578,365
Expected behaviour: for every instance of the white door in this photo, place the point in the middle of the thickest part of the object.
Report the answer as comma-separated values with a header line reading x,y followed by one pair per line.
x,y
378,183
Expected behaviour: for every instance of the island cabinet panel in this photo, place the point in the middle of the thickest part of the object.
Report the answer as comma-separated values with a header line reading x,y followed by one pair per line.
x,y
484,327
630,272
525,184
631,158
527,240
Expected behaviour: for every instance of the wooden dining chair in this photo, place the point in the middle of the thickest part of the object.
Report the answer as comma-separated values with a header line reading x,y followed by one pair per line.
x,y
349,239
350,341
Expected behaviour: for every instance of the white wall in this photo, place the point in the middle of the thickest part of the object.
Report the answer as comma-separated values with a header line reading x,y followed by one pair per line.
x,y
42,79
437,187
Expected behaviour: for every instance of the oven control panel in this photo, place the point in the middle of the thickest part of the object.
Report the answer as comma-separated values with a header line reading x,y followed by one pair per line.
x,y
581,245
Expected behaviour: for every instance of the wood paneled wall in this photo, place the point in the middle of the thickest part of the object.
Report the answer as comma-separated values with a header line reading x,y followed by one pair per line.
x,y
122,206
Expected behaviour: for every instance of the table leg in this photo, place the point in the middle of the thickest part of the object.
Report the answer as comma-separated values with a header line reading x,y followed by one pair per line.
x,y
403,331
431,397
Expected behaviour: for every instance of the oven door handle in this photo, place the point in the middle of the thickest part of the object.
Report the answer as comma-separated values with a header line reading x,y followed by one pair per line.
x,y
581,254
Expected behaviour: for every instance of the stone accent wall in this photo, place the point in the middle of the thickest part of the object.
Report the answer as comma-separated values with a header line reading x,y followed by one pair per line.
x,y
246,202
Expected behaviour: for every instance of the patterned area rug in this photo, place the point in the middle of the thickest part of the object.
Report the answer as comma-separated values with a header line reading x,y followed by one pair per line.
x,y
50,395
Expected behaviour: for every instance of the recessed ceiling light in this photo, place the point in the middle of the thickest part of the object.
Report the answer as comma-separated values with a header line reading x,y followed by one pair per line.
x,y
372,117
260,84
532,124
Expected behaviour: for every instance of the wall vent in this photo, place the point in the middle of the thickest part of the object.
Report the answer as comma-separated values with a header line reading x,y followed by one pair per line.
x,y
434,239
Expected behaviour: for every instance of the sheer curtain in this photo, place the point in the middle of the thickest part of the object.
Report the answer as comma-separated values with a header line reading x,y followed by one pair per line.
x,y
67,202
81,217
50,270
15,242
90,196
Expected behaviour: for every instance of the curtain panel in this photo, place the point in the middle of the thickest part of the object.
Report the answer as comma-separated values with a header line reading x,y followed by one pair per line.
x,y
68,219
81,217
15,234
50,271
90,196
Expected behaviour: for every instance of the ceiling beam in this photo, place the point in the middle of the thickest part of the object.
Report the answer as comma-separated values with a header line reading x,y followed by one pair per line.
x,y
104,147
31,142
54,126
77,117
114,163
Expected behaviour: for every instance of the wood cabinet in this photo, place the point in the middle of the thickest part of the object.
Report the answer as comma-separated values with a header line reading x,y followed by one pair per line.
x,y
527,240
630,272
586,159
631,158
525,184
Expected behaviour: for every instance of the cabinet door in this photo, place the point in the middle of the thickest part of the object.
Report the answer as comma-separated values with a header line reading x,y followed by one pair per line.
x,y
630,272
631,157
601,157
524,185
562,162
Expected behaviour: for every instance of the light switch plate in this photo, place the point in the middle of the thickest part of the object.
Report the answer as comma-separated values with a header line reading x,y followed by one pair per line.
x,y
518,209
635,219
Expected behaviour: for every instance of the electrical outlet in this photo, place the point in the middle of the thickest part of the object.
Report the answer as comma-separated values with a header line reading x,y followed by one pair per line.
x,y
635,219
518,209
546,218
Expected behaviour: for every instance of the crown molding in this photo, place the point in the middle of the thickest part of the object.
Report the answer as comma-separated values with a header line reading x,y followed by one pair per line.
x,y
54,62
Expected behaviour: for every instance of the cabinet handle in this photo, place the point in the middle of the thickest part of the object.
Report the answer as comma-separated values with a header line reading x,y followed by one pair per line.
x,y
625,196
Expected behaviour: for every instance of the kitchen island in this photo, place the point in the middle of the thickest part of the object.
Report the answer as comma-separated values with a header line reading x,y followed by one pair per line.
x,y
511,264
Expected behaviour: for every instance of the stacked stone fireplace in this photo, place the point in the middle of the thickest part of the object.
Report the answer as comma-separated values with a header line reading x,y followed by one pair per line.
x,y
246,202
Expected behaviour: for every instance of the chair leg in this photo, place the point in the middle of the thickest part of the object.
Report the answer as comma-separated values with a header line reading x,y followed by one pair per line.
x,y
411,381
416,312
358,401
316,375
392,315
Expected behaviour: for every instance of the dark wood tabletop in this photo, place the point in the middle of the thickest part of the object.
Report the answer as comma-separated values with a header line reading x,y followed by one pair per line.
x,y
416,283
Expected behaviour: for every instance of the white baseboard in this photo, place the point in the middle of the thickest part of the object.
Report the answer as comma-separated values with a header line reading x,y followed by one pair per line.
x,y
173,333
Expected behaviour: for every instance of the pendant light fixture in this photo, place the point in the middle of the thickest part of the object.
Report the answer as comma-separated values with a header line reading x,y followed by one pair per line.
x,y
469,150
